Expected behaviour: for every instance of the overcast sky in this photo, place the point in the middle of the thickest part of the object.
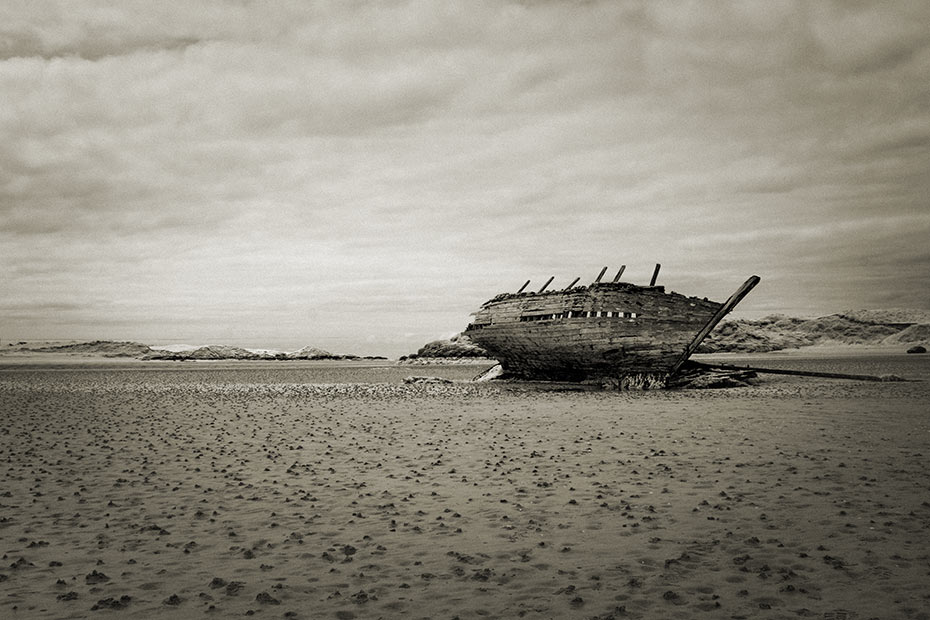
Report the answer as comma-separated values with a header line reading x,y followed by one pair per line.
x,y
361,176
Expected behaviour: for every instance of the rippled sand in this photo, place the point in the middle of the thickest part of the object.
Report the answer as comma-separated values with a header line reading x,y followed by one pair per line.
x,y
191,492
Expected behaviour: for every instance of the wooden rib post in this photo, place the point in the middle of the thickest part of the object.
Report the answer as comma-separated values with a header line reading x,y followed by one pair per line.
x,y
546,285
525,284
574,282
728,305
655,275
619,273
601,275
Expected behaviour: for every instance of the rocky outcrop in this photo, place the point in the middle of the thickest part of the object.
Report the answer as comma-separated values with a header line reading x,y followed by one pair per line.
x,y
222,352
309,353
458,346
209,352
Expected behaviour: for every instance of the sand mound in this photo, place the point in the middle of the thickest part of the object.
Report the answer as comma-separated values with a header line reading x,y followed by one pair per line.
x,y
909,335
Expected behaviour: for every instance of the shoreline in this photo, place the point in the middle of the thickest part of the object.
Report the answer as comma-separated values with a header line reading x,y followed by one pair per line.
x,y
23,360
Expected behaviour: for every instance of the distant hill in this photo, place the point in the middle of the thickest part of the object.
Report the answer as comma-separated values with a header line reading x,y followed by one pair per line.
x,y
776,332
889,316
225,352
110,348
209,352
102,348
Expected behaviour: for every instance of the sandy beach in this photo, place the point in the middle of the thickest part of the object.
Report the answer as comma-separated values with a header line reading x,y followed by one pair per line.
x,y
296,491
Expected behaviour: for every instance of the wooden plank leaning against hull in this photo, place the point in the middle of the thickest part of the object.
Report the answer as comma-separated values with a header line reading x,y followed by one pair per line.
x,y
728,305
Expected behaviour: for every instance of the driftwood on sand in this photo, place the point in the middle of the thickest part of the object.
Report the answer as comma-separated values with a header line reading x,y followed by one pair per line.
x,y
799,373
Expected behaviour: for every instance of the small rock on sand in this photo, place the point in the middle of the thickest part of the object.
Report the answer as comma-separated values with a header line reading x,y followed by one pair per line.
x,y
266,599
96,577
112,603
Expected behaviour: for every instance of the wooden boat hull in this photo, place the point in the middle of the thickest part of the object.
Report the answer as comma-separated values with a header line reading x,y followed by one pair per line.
x,y
600,331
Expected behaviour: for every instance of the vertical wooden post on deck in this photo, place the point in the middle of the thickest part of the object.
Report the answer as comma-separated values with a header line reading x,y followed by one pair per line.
x,y
655,275
619,273
601,275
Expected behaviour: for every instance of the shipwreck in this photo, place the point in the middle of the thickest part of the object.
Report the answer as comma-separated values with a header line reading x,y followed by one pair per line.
x,y
615,331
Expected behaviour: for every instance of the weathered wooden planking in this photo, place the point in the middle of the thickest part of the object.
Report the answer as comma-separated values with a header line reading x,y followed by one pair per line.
x,y
542,333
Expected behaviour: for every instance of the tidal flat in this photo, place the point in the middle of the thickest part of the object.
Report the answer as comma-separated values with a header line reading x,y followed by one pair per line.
x,y
338,491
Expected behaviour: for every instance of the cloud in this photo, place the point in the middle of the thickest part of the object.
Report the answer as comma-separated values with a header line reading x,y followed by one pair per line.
x,y
867,37
389,163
